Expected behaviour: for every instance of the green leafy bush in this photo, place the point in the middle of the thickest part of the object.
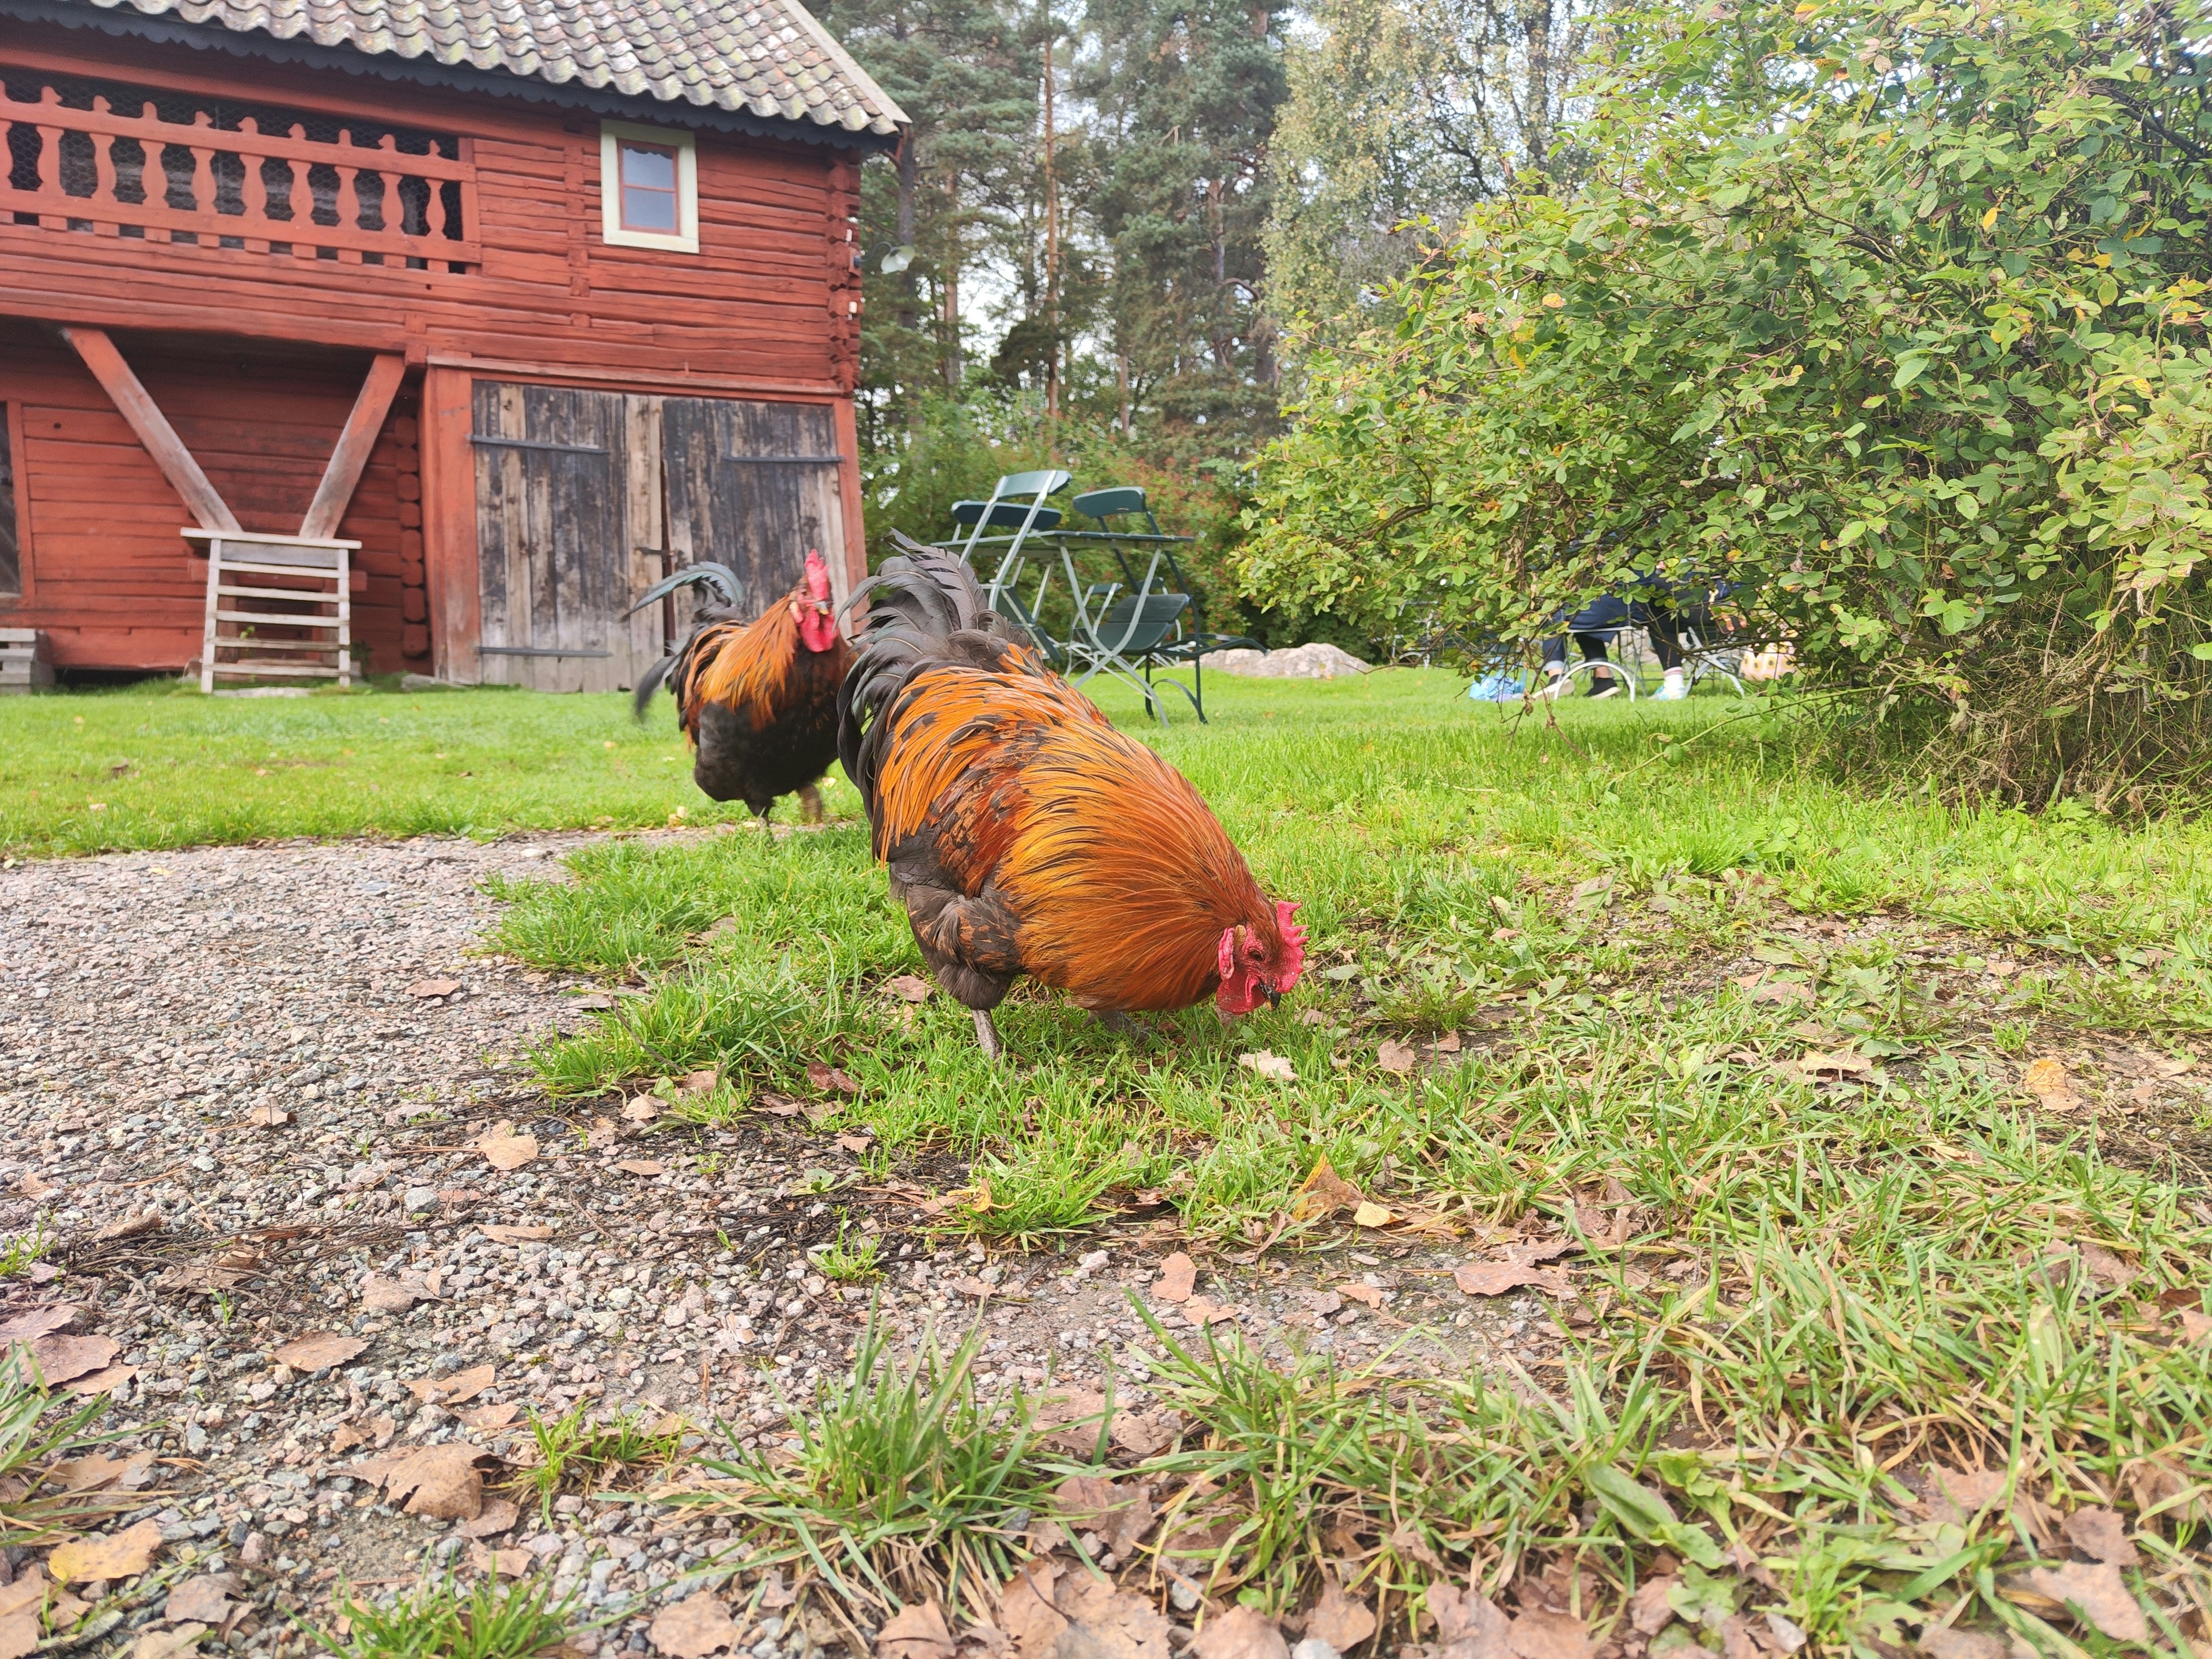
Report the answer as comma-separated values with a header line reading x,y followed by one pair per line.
x,y
1892,315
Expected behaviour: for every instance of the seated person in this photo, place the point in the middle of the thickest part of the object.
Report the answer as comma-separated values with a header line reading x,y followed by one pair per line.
x,y
1660,612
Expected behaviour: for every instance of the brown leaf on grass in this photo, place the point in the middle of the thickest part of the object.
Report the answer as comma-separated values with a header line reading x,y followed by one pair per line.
x,y
642,1109
910,988
1269,1064
917,1631
598,1001
206,1599
34,1322
19,1633
499,1235
27,1590
1121,1625
388,1295
1409,1541
2097,1593
2101,1534
2048,1080
88,1474
1397,1057
319,1351
642,1166
452,1390
1204,1311
505,1150
855,1143
1338,1619
693,1628
2162,1491
2106,1268
1497,1278
1324,1192
507,1564
1541,1633
828,1078
496,1516
1940,1642
700,1081
488,1416
1372,1214
1366,1295
1838,1063
1178,1278
1026,1612
1648,1609
2195,1326
433,987
1120,1516
118,1555
1240,1633
439,1482
168,1644
1468,1624
1954,1495
64,1358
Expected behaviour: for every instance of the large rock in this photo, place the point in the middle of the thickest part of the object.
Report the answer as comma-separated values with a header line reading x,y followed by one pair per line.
x,y
1291,662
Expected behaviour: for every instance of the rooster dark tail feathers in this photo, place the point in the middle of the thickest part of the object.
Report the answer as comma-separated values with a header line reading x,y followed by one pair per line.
x,y
918,600
719,577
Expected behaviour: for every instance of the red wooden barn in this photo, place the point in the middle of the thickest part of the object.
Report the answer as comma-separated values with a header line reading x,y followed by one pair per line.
x,y
533,302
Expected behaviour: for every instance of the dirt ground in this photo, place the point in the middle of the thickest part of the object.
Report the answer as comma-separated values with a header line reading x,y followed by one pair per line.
x,y
246,1094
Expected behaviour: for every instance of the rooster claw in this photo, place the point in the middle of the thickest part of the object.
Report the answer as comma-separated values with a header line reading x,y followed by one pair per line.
x,y
988,1034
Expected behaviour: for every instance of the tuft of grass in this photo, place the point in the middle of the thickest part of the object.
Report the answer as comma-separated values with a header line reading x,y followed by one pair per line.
x,y
438,1620
18,1253
575,1453
905,1485
37,1430
850,1264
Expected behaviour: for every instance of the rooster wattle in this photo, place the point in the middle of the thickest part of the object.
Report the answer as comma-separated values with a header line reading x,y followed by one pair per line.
x,y
1025,835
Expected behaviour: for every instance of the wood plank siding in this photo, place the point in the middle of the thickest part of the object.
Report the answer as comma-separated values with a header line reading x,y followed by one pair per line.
x,y
460,231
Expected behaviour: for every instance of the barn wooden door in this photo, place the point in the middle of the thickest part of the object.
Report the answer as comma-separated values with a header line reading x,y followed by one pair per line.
x,y
752,486
568,488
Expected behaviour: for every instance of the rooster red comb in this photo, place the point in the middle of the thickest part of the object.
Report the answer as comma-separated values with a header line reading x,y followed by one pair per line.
x,y
1294,943
818,574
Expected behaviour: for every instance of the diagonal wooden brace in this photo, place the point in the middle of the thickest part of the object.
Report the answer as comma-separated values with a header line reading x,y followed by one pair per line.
x,y
343,473
152,428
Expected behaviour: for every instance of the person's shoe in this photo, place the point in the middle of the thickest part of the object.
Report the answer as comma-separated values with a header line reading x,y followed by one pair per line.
x,y
1605,688
1673,689
1554,684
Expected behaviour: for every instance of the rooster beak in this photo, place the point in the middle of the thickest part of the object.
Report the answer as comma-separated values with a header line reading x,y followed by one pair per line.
x,y
1274,997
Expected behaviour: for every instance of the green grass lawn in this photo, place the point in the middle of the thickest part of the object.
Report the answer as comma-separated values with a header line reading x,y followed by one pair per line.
x,y
1770,1032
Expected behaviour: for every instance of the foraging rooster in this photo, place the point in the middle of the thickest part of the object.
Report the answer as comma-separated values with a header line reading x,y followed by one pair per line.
x,y
1026,836
757,699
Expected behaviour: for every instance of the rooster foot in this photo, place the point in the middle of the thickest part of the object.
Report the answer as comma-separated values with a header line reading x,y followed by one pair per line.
x,y
988,1034
810,804
1122,1025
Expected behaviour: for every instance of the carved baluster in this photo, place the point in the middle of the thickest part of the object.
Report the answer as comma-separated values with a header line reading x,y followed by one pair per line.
x,y
349,190
202,179
103,171
253,221
50,159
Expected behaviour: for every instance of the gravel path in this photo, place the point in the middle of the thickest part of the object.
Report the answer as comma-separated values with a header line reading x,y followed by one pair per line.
x,y
227,1089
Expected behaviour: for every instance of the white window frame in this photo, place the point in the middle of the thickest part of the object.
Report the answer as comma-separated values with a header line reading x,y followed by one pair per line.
x,y
686,240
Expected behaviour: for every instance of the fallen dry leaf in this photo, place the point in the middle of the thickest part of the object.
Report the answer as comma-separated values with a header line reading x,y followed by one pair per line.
x,y
1497,1278
206,1599
167,1644
88,1474
642,1109
319,1351
1178,1277
2097,1592
2195,1326
1204,1311
641,1166
433,987
2101,1534
915,1632
1649,1610
1940,1642
910,988
516,1235
1125,1626
598,1001
19,1633
26,1589
1240,1633
133,1226
1397,1057
854,1143
34,1322
387,1295
266,1117
1468,1624
693,1628
488,1416
1120,1516
346,1436
1366,1294
1269,1065
452,1390
439,1482
1372,1214
700,1081
829,1079
104,1381
495,1518
2051,1085
119,1555
503,1148
63,1358
1026,1612
1541,1634
1337,1618
1324,1192
1841,1062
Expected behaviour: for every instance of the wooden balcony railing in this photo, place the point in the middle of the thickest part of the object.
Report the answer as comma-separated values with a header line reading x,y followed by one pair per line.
x,y
270,193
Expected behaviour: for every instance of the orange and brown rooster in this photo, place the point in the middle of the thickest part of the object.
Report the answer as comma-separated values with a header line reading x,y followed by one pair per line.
x,y
757,699
1026,836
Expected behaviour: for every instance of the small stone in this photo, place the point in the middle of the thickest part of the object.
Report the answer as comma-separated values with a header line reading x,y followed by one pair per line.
x,y
252,1550
1313,1648
421,1198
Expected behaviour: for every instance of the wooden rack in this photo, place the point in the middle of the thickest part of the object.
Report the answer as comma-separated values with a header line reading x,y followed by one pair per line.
x,y
300,587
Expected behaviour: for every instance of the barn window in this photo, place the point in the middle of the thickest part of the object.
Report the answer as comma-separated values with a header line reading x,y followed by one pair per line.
x,y
11,556
648,187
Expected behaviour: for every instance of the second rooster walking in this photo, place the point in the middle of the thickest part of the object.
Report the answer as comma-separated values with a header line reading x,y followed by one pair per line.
x,y
757,699
1025,835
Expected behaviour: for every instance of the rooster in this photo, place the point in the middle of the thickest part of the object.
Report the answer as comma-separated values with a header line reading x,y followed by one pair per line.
x,y
1025,835
757,699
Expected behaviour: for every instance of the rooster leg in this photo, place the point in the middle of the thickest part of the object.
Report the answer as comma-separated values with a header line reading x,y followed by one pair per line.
x,y
810,804
1122,1025
988,1034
